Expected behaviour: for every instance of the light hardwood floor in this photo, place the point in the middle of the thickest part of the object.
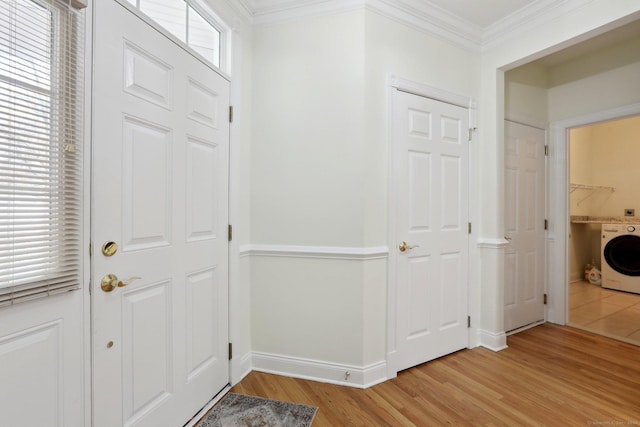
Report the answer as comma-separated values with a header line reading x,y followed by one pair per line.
x,y
612,313
550,375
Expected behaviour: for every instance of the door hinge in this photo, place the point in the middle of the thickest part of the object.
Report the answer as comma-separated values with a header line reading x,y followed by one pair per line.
x,y
230,113
230,232
471,131
546,150
468,321
230,351
469,228
90,249
546,224
544,299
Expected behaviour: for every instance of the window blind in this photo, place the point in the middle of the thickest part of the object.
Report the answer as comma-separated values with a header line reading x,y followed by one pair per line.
x,y
41,133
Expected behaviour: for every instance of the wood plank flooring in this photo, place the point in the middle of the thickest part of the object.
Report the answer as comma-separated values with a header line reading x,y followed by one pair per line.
x,y
550,375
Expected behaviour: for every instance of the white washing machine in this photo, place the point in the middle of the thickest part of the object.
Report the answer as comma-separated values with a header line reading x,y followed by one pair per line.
x,y
621,257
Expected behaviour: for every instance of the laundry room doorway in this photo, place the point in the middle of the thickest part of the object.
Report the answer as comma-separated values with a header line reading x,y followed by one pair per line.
x,y
604,289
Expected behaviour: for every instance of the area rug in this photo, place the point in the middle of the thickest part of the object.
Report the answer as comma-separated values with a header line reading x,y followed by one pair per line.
x,y
239,410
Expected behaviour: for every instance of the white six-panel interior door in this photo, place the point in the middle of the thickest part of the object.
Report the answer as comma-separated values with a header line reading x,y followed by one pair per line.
x,y
431,152
160,192
524,265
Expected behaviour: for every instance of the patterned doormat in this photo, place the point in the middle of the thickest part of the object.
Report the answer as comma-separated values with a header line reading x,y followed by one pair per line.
x,y
239,410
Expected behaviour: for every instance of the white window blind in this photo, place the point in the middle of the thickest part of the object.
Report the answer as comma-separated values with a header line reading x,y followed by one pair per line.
x,y
41,92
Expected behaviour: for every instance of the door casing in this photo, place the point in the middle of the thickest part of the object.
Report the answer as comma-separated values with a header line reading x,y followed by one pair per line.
x,y
394,84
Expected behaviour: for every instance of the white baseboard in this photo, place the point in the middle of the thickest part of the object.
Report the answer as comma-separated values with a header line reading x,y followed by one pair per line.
x,y
240,368
346,375
492,341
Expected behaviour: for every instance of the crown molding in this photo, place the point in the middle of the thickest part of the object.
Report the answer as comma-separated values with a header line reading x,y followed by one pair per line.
x,y
429,18
421,15
527,19
296,9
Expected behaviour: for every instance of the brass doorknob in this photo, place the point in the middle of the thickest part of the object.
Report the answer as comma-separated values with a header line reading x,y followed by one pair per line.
x,y
111,281
404,246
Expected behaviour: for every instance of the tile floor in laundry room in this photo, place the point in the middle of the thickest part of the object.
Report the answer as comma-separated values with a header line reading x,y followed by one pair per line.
x,y
608,312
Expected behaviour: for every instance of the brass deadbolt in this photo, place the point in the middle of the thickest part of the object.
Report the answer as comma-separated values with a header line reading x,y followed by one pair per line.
x,y
109,248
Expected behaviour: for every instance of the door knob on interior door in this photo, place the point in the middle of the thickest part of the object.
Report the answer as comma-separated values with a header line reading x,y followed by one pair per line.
x,y
404,246
111,281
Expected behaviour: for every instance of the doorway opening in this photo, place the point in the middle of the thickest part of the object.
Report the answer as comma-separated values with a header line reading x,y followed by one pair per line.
x,y
603,191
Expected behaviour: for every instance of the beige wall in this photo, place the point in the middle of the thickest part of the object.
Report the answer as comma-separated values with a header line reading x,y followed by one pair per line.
x,y
604,154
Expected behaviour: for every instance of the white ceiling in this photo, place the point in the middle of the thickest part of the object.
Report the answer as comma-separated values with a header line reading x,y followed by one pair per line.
x,y
481,13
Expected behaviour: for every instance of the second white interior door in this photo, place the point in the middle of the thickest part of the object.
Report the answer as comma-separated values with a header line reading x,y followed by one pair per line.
x,y
524,225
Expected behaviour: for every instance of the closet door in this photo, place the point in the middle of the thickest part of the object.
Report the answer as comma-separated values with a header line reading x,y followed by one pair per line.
x,y
524,225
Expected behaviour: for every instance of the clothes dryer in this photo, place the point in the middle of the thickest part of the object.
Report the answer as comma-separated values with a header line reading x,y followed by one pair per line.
x,y
621,257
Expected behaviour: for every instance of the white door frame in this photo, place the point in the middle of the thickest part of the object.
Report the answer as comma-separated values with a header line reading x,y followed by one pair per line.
x,y
557,237
395,84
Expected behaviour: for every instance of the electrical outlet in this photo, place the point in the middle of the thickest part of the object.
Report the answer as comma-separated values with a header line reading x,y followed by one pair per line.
x,y
629,212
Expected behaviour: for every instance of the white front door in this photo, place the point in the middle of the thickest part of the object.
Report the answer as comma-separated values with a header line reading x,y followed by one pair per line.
x,y
432,165
160,193
524,225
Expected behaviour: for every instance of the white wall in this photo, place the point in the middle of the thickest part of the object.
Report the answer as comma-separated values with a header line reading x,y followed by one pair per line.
x,y
317,165
307,193
319,183
603,80
525,94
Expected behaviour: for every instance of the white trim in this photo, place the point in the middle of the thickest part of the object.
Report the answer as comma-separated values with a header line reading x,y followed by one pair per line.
x,y
431,92
315,370
420,15
525,327
431,19
300,9
240,368
492,341
87,215
318,252
558,253
492,243
525,120
527,19
395,84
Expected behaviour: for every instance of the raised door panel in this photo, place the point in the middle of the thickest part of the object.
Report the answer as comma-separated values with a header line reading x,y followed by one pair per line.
x,y
147,349
146,179
203,294
420,199
32,376
147,76
201,190
419,295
